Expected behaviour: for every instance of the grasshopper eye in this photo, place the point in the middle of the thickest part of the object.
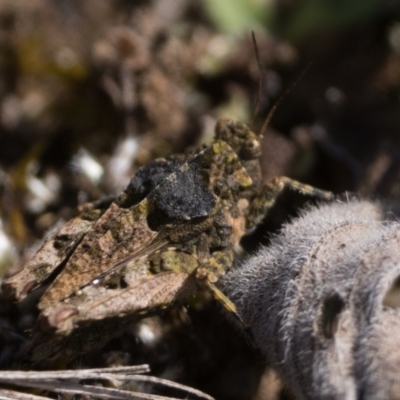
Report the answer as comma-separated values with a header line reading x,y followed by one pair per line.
x,y
251,148
240,137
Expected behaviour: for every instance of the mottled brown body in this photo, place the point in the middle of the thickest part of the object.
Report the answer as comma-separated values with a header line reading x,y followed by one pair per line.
x,y
179,218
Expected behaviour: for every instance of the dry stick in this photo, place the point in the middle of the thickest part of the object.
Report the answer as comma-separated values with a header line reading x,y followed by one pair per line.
x,y
173,385
8,394
98,392
103,392
134,369
37,381
95,373
53,380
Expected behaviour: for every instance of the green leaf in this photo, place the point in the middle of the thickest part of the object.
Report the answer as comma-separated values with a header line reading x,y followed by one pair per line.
x,y
238,16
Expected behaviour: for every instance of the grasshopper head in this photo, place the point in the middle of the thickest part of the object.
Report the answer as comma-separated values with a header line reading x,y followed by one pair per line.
x,y
245,143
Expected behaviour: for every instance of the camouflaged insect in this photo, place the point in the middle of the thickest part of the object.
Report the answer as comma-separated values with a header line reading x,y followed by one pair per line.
x,y
176,224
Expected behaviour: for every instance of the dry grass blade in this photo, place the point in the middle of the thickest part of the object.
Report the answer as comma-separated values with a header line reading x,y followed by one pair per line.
x,y
68,382
95,373
7,394
173,385
95,391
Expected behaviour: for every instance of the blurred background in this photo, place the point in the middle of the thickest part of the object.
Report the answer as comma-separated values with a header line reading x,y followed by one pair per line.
x,y
91,90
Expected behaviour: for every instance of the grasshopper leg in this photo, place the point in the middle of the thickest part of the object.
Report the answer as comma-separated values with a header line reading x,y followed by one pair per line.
x,y
261,205
209,273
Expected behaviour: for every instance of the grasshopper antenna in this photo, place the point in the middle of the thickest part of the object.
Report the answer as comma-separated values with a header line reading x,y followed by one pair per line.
x,y
282,97
261,73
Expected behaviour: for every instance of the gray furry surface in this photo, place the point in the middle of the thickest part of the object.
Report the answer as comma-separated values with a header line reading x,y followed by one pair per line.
x,y
323,302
